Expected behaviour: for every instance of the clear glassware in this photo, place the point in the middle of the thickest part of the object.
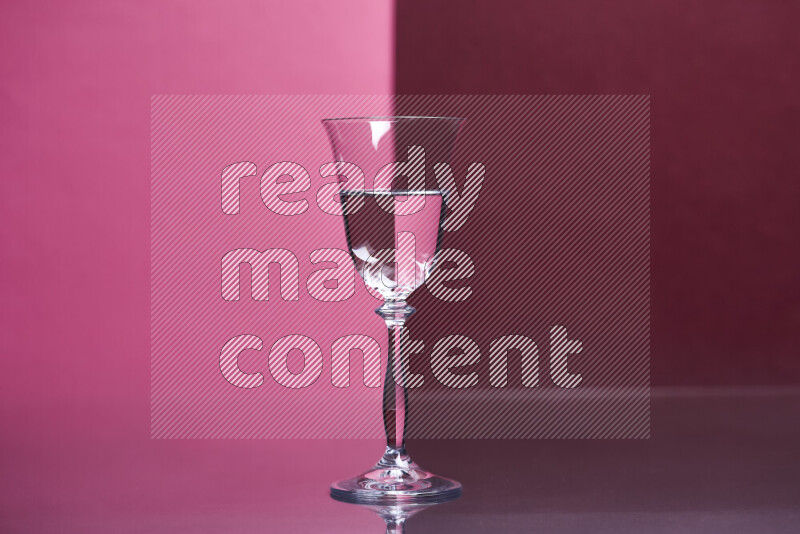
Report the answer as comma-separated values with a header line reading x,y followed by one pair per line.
x,y
396,515
393,224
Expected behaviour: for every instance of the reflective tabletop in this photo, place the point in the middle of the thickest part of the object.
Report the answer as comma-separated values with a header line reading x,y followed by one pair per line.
x,y
718,461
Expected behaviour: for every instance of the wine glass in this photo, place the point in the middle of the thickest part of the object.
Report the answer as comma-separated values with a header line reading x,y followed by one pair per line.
x,y
393,235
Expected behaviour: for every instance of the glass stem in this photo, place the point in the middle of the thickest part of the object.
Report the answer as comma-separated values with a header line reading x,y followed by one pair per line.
x,y
395,395
395,526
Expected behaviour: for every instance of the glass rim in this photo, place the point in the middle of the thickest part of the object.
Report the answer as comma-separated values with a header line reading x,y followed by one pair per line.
x,y
391,118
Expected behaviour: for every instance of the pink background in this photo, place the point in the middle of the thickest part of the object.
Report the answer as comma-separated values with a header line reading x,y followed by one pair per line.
x,y
77,78
194,138
76,82
723,80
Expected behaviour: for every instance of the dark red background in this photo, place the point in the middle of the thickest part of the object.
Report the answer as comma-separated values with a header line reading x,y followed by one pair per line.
x,y
725,149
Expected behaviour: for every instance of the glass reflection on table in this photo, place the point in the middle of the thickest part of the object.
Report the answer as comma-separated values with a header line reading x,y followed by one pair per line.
x,y
395,515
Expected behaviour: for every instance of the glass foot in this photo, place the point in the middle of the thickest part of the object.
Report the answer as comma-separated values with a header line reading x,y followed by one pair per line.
x,y
396,478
